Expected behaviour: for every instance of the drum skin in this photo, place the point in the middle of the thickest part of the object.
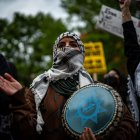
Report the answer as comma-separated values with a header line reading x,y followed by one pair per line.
x,y
97,106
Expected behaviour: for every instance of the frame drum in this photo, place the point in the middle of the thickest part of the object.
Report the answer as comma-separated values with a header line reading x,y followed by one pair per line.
x,y
97,106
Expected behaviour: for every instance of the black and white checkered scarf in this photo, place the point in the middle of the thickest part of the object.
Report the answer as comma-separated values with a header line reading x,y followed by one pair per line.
x,y
134,94
66,63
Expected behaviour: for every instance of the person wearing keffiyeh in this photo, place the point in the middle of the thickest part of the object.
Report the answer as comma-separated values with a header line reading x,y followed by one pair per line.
x,y
132,52
67,72
37,110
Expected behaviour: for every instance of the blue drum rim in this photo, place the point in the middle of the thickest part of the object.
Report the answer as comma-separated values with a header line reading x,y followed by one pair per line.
x,y
117,113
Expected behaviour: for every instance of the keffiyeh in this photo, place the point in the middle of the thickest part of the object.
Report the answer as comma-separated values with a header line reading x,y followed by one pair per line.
x,y
134,94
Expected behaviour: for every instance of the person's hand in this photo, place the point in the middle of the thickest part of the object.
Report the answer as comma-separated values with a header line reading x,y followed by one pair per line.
x,y
87,135
124,4
126,14
9,85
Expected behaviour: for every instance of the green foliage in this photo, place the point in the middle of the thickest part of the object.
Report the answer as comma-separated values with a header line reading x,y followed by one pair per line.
x,y
27,41
87,11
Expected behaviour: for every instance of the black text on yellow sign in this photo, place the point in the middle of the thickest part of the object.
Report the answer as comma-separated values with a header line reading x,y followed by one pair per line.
x,y
94,58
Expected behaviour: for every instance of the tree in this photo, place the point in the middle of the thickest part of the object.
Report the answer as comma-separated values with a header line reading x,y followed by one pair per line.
x,y
88,11
27,41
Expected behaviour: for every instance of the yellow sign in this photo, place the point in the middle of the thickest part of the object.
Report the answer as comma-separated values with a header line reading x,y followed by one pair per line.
x,y
94,58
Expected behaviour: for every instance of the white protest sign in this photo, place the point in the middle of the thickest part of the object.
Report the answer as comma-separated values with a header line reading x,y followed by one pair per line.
x,y
110,20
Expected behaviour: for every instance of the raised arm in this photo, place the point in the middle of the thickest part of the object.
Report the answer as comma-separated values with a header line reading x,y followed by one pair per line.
x,y
131,46
132,52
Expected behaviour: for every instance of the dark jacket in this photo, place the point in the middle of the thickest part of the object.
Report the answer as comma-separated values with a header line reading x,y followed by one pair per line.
x,y
132,52
24,118
131,48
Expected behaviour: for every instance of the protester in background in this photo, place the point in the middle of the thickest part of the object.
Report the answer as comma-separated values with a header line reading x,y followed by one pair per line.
x,y
118,81
132,52
5,115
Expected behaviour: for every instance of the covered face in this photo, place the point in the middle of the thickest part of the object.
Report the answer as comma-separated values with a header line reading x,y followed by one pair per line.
x,y
61,43
68,53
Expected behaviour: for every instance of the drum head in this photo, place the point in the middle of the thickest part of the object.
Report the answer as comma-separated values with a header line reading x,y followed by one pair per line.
x,y
94,106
